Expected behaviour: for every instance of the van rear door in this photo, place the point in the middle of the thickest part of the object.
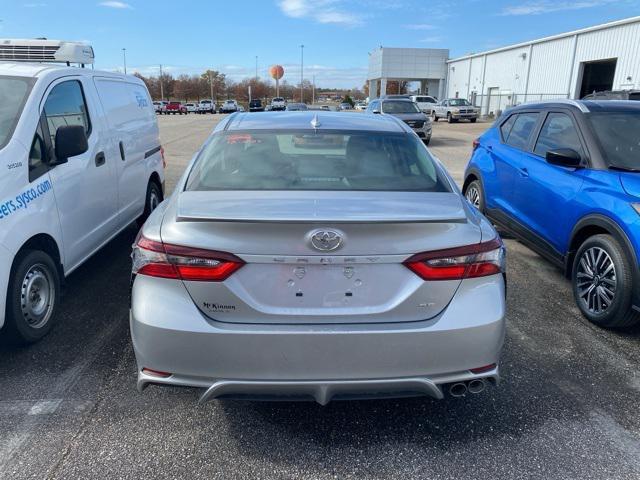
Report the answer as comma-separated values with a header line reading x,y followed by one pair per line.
x,y
134,137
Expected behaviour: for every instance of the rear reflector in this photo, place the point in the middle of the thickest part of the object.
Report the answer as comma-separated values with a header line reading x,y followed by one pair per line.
x,y
469,261
157,259
476,143
486,368
155,373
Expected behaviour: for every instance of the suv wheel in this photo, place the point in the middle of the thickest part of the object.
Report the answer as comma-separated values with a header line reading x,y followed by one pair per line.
x,y
33,296
434,116
474,194
602,280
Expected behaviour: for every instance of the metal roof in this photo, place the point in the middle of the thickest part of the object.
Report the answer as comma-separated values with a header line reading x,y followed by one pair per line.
x,y
302,120
594,28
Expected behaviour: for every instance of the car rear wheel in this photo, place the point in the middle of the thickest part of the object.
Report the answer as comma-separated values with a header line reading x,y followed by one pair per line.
x,y
449,118
33,297
434,116
474,194
473,120
602,279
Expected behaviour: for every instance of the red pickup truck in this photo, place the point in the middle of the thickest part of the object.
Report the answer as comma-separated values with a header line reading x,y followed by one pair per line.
x,y
175,107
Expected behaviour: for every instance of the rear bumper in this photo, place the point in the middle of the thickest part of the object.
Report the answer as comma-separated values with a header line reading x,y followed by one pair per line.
x,y
318,361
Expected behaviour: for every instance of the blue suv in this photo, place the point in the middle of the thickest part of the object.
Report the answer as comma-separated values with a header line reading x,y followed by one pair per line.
x,y
564,178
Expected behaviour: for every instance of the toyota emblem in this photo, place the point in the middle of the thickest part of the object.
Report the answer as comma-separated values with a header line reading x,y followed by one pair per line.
x,y
325,240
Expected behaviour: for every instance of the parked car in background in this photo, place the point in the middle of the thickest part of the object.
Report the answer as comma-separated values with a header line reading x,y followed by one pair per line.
x,y
455,109
361,106
325,108
407,111
80,158
240,108
229,106
206,106
191,107
614,95
267,108
255,105
564,177
157,107
426,103
345,106
278,103
175,107
331,260
295,107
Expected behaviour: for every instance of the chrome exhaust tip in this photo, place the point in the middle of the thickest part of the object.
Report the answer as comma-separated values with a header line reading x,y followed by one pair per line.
x,y
476,386
458,390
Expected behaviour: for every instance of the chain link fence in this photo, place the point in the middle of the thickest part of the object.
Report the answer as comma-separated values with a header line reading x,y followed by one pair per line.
x,y
493,104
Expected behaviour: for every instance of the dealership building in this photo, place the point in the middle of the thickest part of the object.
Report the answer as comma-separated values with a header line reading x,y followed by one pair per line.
x,y
568,65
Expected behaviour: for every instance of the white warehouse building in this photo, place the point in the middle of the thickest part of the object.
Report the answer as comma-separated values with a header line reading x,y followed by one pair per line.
x,y
569,65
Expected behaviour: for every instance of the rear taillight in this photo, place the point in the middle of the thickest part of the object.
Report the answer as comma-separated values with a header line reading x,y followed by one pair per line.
x,y
157,259
476,143
470,261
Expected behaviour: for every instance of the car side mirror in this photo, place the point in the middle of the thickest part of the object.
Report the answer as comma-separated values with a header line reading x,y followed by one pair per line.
x,y
71,140
375,110
564,157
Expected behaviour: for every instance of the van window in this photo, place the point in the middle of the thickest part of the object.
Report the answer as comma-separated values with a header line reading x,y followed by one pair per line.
x,y
558,131
66,106
522,129
14,92
37,155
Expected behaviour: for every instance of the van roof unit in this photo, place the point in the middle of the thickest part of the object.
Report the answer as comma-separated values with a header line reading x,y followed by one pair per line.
x,y
43,50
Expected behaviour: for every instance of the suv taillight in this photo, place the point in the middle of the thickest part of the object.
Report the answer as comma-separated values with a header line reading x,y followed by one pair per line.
x,y
157,259
470,261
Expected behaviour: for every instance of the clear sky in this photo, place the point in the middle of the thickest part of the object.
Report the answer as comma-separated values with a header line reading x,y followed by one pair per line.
x,y
188,36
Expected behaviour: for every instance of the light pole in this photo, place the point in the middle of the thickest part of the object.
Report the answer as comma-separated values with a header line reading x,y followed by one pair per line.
x,y
161,86
124,59
313,94
256,68
301,73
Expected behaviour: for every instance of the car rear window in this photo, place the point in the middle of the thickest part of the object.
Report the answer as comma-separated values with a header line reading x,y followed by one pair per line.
x,y
303,160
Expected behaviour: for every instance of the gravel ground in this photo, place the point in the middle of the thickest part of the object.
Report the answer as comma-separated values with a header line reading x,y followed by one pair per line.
x,y
566,409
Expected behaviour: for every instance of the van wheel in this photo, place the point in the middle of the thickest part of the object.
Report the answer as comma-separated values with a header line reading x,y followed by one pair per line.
x,y
602,279
33,297
154,197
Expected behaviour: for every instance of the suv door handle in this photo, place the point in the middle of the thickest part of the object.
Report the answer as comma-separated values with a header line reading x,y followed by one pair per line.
x,y
524,172
122,151
100,159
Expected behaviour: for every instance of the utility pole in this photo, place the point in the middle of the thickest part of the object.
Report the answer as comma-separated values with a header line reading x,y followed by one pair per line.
x,y
313,94
161,86
301,73
124,59
211,85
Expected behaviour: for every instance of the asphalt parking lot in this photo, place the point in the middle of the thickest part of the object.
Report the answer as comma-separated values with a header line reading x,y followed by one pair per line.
x,y
566,408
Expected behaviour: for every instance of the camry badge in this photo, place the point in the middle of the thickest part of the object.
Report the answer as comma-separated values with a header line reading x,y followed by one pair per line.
x,y
325,240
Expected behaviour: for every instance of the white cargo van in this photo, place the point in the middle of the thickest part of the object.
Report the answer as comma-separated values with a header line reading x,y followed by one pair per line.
x,y
80,160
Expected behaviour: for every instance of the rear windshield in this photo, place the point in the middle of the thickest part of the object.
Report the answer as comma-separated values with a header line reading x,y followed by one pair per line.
x,y
425,100
619,137
14,92
291,160
399,106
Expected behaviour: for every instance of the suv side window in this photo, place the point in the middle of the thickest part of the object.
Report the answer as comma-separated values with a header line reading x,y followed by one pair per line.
x,y
522,129
506,127
66,105
558,131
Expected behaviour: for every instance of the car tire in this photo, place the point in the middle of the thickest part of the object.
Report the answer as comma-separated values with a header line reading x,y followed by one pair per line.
x,y
426,140
473,120
435,117
33,297
474,193
152,200
601,273
449,118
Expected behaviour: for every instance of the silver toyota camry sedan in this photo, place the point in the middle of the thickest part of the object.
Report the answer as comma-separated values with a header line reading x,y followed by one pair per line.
x,y
317,255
